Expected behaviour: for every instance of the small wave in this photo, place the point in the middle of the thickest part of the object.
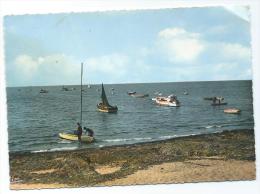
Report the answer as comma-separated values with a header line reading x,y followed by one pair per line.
x,y
167,136
211,126
55,149
39,151
140,138
128,139
64,141
115,140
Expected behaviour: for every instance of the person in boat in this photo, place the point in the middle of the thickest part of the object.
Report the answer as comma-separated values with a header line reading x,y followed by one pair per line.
x,y
78,132
214,100
89,131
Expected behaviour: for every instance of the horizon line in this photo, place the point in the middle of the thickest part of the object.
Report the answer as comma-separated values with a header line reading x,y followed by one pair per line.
x,y
128,83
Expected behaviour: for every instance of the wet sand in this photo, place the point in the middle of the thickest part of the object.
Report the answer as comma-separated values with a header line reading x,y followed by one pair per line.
x,y
226,156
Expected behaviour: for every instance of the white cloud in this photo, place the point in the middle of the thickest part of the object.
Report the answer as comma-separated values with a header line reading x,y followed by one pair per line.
x,y
230,71
180,45
226,67
234,51
114,64
55,69
26,64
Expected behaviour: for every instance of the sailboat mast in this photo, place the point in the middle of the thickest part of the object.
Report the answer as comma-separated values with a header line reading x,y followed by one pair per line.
x,y
81,94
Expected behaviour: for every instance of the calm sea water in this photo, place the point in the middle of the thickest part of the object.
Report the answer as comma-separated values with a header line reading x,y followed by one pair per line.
x,y
35,119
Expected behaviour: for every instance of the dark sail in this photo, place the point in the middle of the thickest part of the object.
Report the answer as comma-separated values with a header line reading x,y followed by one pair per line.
x,y
104,97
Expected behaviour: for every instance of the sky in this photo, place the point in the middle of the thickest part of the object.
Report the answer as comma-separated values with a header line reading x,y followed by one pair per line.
x,y
164,45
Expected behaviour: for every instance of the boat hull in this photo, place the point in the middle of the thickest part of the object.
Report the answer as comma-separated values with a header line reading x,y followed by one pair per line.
x,y
139,95
72,137
219,104
232,111
166,103
112,109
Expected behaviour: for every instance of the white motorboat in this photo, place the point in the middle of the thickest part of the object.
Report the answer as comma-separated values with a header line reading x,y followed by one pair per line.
x,y
167,101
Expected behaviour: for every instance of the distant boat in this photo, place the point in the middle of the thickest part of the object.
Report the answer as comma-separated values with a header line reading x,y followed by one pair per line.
x,y
64,88
43,91
217,101
131,93
104,106
232,110
136,95
185,93
167,101
89,86
139,95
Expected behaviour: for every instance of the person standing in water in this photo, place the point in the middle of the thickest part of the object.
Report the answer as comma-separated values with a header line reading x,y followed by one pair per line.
x,y
90,131
79,132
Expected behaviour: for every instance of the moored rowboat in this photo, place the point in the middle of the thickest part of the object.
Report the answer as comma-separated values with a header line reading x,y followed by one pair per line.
x,y
232,110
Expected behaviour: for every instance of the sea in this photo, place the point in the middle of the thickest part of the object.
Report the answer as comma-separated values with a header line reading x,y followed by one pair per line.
x,y
35,119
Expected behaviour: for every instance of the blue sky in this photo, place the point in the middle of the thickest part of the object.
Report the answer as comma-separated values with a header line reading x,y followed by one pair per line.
x,y
167,45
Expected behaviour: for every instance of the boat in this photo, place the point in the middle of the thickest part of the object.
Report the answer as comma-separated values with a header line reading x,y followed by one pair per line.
x,y
171,100
139,95
43,91
217,101
131,93
64,88
136,95
71,136
104,106
185,93
89,86
232,110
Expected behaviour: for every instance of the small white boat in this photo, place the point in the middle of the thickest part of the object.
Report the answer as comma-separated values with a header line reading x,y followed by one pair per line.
x,y
167,101
232,110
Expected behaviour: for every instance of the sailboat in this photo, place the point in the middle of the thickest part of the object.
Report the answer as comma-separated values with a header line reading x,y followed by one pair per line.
x,y
104,106
71,136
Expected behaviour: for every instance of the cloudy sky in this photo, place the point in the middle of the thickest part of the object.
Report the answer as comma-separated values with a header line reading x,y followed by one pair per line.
x,y
168,45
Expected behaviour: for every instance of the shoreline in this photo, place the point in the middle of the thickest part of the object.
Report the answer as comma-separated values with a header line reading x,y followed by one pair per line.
x,y
125,145
231,151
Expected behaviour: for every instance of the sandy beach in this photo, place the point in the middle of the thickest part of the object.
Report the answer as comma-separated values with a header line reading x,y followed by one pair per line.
x,y
226,156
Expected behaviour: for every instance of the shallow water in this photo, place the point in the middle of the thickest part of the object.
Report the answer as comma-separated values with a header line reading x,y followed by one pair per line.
x,y
35,119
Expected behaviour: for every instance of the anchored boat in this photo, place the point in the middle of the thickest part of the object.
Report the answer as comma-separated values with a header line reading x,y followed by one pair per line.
x,y
43,91
104,106
167,101
217,101
74,137
232,110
